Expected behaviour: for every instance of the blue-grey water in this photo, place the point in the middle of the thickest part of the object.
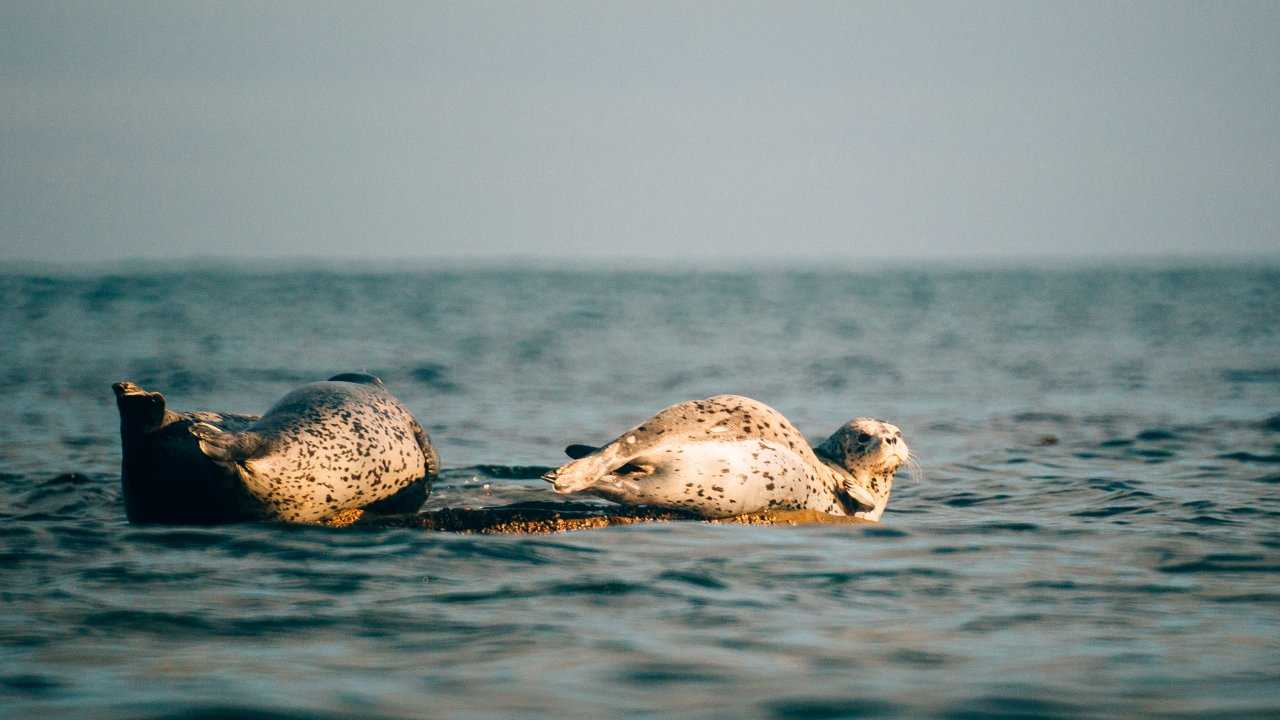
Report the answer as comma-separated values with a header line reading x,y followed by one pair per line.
x,y
1097,532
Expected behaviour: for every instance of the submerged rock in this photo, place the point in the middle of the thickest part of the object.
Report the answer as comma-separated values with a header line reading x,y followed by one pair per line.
x,y
540,518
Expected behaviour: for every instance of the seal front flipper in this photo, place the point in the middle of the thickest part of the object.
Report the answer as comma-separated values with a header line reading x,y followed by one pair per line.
x,y
859,494
227,422
226,448
430,458
854,491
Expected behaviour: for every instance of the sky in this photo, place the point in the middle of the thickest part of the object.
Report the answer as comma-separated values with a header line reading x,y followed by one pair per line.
x,y
608,131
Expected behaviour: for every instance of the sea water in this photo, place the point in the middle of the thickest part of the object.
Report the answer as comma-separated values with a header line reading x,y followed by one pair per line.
x,y
1097,531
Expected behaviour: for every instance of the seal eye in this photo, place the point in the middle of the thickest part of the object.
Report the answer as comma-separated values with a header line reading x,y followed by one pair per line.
x,y
864,438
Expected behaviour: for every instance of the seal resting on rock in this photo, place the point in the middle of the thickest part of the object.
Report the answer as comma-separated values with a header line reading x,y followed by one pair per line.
x,y
323,448
729,455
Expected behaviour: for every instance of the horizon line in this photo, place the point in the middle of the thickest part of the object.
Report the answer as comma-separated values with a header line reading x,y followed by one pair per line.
x,y
640,263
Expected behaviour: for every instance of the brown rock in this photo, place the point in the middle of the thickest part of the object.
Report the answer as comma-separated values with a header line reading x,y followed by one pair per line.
x,y
540,518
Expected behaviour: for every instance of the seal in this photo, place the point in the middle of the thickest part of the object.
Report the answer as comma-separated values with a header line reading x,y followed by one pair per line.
x,y
730,455
323,448
326,447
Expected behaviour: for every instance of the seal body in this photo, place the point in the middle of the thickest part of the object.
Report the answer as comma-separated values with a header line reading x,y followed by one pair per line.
x,y
326,447
729,455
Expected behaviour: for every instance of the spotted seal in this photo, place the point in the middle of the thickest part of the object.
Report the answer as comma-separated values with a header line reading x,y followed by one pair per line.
x,y
325,447
729,455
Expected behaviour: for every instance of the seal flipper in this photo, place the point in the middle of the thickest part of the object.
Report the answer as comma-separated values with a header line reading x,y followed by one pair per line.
x,y
584,472
854,490
580,451
141,410
358,378
430,458
409,499
859,494
577,452
226,448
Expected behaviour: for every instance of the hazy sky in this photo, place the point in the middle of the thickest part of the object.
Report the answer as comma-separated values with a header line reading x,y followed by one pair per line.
x,y
610,129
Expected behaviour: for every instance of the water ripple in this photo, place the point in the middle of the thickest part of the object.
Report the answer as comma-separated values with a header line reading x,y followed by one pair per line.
x,y
1095,537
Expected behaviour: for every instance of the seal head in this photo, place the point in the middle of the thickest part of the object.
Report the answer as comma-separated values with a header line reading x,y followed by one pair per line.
x,y
865,453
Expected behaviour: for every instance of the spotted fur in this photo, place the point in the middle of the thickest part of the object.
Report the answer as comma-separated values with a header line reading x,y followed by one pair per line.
x,y
325,447
729,455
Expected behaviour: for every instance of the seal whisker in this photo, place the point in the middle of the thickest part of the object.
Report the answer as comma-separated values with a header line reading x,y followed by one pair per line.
x,y
915,470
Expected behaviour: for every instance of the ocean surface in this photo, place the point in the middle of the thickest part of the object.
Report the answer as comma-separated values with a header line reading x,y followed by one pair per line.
x,y
1097,532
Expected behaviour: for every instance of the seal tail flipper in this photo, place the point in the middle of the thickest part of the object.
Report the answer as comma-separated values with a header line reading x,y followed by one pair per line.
x,y
577,452
140,408
590,469
225,448
577,475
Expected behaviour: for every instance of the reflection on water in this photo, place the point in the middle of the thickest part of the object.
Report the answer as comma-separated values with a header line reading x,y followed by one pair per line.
x,y
1097,533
